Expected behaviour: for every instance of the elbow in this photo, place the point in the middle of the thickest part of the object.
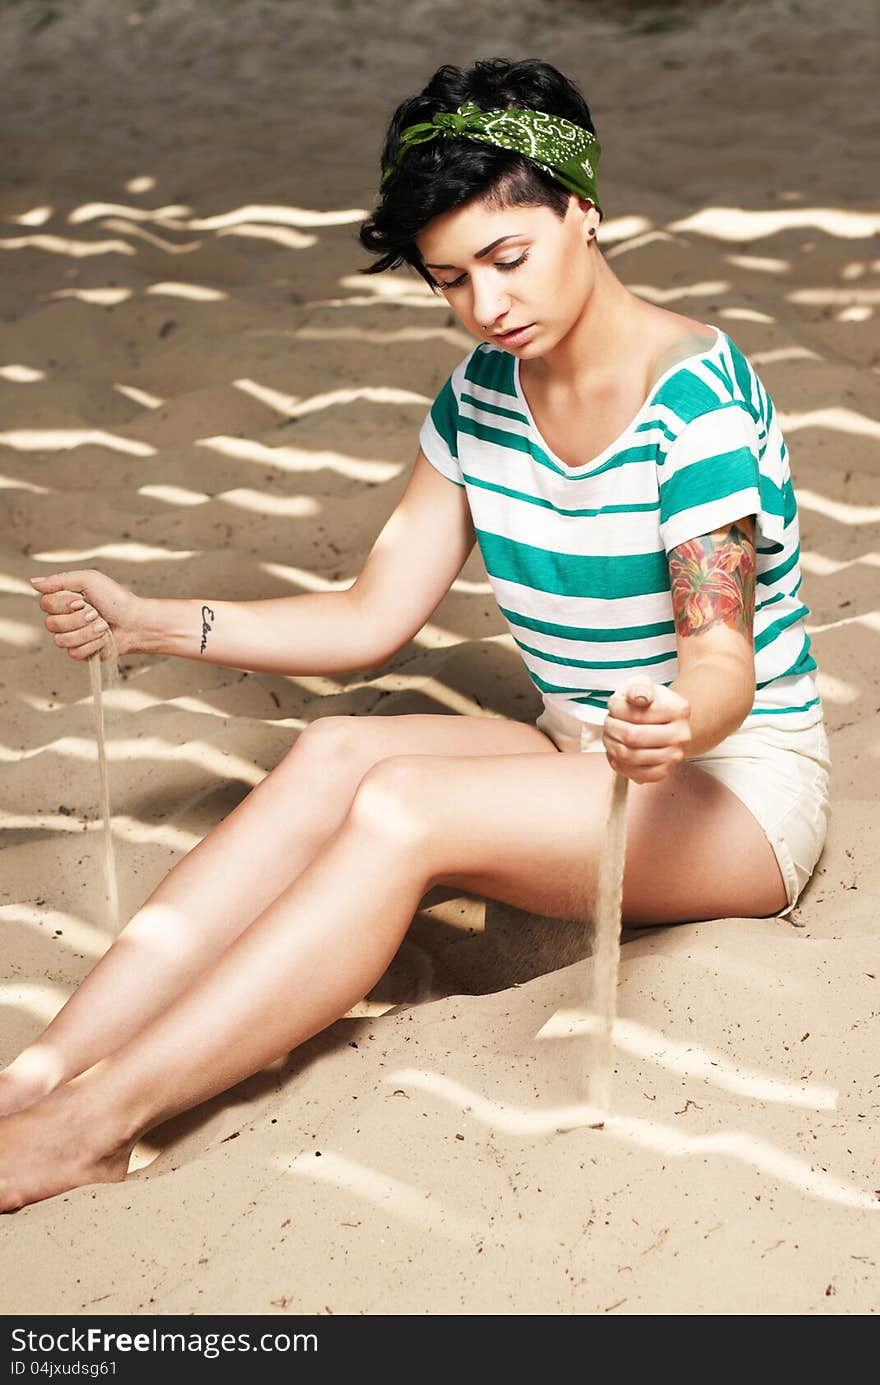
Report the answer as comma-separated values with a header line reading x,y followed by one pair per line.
x,y
740,709
385,648
376,638
745,687
741,697
373,648
368,642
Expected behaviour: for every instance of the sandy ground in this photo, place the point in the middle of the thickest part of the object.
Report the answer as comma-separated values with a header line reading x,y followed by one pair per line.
x,y
201,397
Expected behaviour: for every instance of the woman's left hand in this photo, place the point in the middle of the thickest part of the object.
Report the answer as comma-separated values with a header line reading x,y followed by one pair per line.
x,y
647,730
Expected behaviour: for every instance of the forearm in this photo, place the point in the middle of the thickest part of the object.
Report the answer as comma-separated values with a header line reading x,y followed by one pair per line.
x,y
720,694
315,633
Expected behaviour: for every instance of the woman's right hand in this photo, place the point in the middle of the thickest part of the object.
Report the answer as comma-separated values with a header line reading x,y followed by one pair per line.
x,y
83,610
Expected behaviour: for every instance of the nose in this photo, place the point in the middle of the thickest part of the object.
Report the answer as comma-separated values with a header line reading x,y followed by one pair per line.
x,y
490,301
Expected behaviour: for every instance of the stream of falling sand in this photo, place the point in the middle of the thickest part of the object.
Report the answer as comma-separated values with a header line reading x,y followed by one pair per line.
x,y
108,856
606,947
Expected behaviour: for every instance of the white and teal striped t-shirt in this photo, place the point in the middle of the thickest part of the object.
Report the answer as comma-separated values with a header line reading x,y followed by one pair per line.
x,y
577,556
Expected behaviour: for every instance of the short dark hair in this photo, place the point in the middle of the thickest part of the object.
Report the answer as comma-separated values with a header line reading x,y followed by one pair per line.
x,y
443,174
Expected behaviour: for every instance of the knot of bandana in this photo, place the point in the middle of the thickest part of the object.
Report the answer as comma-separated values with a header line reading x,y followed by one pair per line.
x,y
568,152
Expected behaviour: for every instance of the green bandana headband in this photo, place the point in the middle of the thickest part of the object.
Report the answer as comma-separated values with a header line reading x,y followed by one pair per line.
x,y
568,152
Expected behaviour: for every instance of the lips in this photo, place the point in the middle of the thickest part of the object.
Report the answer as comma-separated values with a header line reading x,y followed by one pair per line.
x,y
513,337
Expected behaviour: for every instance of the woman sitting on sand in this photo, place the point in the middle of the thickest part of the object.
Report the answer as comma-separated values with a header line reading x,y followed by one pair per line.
x,y
622,469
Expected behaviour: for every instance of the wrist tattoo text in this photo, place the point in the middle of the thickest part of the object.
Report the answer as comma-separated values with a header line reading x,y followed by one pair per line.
x,y
207,615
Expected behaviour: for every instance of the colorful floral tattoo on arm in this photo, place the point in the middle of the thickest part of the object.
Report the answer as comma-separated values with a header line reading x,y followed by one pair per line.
x,y
713,582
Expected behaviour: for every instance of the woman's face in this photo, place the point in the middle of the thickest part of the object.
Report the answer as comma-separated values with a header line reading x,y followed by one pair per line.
x,y
519,277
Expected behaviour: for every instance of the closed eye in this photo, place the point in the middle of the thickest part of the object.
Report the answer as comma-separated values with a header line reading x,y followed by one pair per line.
x,y
512,264
504,265
450,284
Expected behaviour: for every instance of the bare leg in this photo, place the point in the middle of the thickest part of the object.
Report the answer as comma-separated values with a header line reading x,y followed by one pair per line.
x,y
225,882
526,828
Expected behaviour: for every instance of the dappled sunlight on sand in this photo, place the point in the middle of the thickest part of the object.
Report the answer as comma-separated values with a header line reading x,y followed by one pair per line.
x,y
63,439
125,828
663,1140
837,418
196,293
839,510
869,621
168,247
837,690
740,224
175,495
36,216
293,407
289,240
91,211
744,315
223,763
78,933
40,999
455,336
103,298
129,552
133,699
433,688
396,1199
303,578
236,424
778,355
821,566
14,586
138,396
16,632
62,245
618,231
669,296
294,459
17,483
401,291
21,374
257,502
277,216
865,298
691,1060
761,264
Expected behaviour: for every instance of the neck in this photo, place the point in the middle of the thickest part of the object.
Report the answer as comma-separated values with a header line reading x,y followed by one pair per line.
x,y
601,343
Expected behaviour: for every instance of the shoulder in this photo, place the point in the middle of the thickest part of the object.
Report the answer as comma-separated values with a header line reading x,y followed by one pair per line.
x,y
713,385
692,341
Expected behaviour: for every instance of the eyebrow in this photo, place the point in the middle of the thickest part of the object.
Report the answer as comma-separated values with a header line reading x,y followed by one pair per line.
x,y
480,254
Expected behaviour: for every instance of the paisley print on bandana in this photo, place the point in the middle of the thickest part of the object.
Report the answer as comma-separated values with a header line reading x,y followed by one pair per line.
x,y
568,152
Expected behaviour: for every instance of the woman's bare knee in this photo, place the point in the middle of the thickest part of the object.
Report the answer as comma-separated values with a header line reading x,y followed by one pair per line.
x,y
313,782
329,737
328,748
326,765
388,803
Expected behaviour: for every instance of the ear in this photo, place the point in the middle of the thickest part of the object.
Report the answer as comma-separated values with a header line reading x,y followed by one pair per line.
x,y
588,215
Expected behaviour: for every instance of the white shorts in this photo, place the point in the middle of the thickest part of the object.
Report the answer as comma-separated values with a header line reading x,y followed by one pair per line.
x,y
781,776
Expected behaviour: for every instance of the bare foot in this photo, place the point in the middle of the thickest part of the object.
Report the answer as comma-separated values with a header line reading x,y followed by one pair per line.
x,y
26,1080
53,1146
